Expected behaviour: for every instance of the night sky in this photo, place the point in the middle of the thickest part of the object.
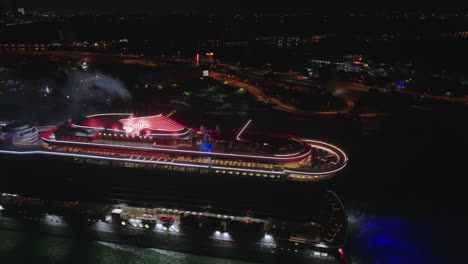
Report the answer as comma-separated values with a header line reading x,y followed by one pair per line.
x,y
155,6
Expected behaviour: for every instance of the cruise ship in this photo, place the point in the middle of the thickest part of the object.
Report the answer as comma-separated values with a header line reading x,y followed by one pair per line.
x,y
161,140
188,177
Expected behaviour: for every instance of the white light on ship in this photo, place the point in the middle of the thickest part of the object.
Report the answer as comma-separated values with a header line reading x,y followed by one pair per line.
x,y
321,245
146,226
123,223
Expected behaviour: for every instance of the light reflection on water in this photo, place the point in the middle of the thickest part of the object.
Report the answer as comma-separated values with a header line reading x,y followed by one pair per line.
x,y
19,247
371,240
389,240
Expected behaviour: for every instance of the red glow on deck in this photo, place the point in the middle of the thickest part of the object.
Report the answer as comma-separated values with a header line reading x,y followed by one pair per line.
x,y
158,122
167,219
47,133
98,122
133,124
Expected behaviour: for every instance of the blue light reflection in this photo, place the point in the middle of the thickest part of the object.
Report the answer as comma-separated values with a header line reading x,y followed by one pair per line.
x,y
383,240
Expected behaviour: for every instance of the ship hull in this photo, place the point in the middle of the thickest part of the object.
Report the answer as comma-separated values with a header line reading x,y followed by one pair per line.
x,y
69,178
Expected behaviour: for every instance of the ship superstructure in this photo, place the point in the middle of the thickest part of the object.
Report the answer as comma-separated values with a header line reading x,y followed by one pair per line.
x,y
161,140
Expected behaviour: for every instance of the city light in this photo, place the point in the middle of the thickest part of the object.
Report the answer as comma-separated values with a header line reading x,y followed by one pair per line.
x,y
321,245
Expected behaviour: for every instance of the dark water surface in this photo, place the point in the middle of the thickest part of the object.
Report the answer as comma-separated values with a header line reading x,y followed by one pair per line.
x,y
20,247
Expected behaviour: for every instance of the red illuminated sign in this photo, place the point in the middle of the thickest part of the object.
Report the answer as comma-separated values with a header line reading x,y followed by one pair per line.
x,y
134,125
134,128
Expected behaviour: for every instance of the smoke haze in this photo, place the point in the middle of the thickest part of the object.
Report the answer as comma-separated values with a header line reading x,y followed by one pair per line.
x,y
88,91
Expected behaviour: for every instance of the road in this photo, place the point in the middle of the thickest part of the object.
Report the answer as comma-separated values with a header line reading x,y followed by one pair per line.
x,y
259,94
349,86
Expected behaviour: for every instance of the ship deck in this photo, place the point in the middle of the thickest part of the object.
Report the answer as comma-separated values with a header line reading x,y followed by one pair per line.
x,y
326,163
